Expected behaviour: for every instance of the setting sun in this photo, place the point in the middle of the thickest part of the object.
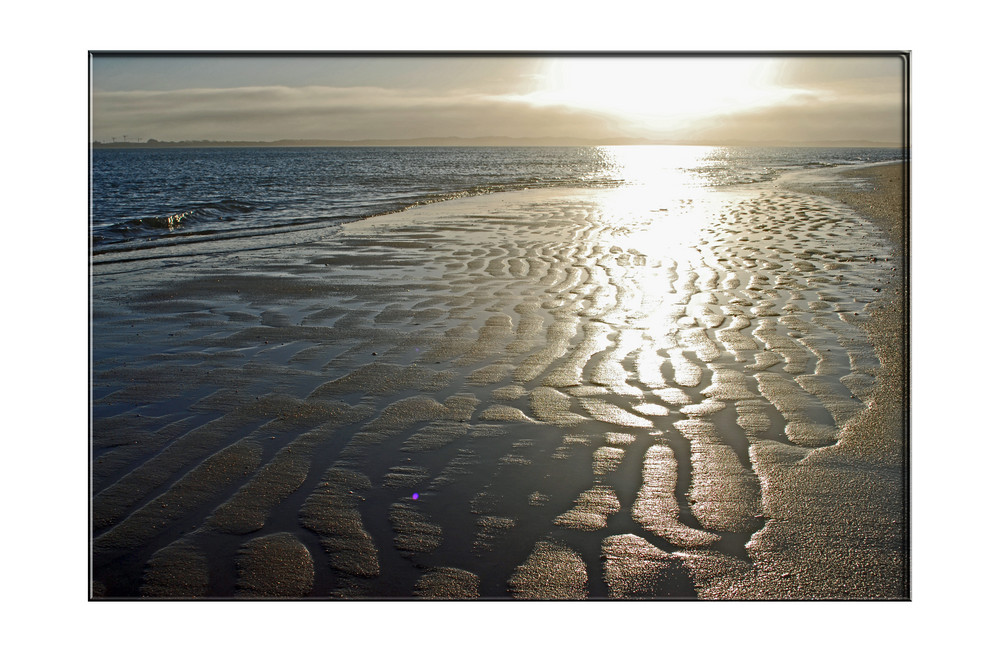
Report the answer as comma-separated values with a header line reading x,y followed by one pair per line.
x,y
659,95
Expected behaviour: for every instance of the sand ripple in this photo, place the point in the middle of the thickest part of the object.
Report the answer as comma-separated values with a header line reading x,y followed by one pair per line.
x,y
566,395
551,572
275,566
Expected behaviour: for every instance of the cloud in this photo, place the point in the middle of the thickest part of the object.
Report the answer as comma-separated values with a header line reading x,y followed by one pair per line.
x,y
438,74
846,74
830,99
809,119
324,112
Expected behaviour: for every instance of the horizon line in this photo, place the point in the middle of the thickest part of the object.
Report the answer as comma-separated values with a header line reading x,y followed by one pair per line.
x,y
486,141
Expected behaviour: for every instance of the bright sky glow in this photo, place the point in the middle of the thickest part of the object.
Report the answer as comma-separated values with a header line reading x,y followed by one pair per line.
x,y
660,95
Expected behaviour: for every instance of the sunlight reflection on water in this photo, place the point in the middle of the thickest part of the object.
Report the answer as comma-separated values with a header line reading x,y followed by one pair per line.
x,y
658,166
663,204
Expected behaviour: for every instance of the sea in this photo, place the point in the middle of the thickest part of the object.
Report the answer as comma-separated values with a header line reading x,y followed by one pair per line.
x,y
144,199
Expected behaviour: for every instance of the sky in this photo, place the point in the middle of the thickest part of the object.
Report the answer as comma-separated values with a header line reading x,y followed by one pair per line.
x,y
707,100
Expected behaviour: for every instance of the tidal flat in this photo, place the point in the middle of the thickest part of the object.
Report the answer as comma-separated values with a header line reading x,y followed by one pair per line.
x,y
545,394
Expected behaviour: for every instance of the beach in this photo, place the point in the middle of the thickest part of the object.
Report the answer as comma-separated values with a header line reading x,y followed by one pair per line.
x,y
556,393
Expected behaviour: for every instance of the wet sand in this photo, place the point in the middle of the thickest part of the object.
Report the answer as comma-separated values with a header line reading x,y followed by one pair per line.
x,y
547,394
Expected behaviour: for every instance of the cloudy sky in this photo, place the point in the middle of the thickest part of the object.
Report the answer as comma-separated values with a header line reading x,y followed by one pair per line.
x,y
710,100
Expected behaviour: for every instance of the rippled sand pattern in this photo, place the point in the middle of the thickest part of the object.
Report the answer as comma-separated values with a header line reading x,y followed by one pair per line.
x,y
537,395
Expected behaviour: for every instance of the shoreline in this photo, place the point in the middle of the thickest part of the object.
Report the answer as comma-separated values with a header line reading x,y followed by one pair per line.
x,y
877,193
882,203
880,436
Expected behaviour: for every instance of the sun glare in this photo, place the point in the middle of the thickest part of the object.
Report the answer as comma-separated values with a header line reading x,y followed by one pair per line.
x,y
658,94
668,231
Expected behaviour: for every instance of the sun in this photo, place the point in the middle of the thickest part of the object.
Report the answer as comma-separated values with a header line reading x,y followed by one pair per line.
x,y
658,95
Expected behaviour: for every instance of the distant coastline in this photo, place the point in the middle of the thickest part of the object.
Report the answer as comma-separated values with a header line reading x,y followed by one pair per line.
x,y
472,142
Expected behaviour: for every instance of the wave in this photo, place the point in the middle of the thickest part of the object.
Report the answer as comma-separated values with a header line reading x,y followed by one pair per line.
x,y
224,219
202,214
226,209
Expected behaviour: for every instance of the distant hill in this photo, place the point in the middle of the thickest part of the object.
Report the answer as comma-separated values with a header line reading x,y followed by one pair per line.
x,y
488,141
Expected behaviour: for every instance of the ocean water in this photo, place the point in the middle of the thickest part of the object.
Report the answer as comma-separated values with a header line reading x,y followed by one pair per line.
x,y
151,198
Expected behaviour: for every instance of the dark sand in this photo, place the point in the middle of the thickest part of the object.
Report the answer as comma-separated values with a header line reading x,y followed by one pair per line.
x,y
548,394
